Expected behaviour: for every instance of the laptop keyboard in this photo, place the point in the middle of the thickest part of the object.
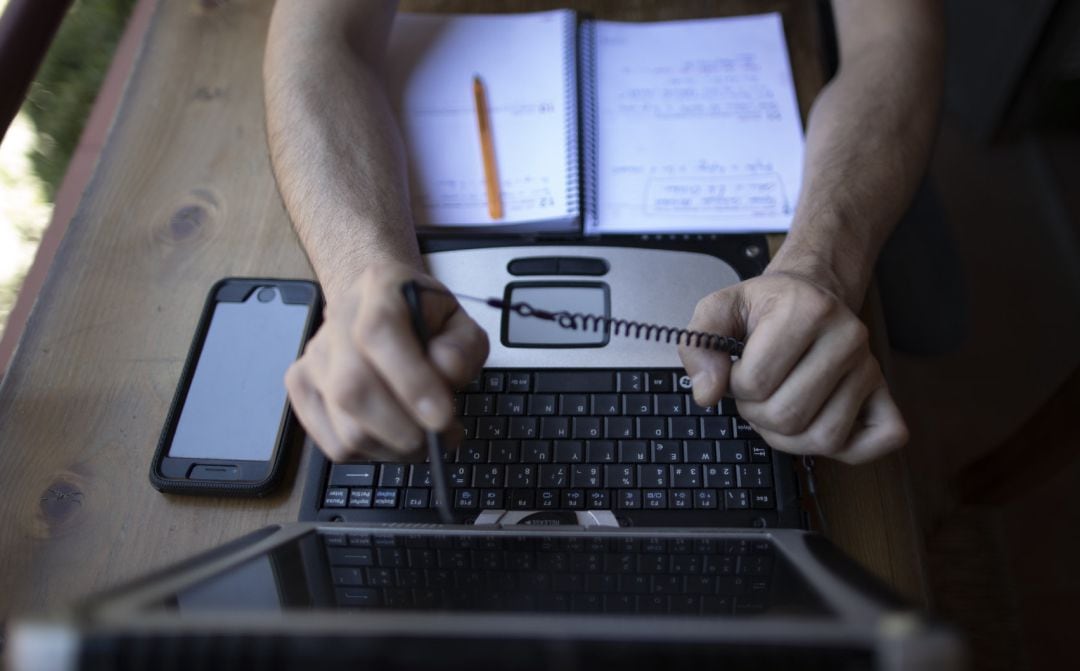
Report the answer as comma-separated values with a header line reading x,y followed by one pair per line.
x,y
567,574
564,440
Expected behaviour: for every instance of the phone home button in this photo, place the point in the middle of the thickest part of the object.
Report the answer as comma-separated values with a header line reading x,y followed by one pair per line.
x,y
214,472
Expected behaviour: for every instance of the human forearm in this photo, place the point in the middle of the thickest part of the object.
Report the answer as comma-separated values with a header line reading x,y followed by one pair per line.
x,y
868,140
335,148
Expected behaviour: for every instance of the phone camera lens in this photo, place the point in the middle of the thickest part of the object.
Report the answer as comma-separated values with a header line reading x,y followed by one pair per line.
x,y
265,295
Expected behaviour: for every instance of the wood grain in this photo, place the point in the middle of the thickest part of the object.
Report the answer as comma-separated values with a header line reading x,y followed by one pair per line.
x,y
182,196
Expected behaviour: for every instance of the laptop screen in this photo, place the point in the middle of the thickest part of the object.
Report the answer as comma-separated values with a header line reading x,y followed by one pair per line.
x,y
580,574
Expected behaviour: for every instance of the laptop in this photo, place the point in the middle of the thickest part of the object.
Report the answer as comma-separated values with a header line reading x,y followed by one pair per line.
x,y
311,595
592,426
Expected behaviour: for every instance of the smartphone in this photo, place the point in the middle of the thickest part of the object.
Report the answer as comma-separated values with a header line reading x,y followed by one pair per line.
x,y
230,419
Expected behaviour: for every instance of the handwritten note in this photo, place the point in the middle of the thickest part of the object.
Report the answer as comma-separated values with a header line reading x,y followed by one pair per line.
x,y
524,61
698,129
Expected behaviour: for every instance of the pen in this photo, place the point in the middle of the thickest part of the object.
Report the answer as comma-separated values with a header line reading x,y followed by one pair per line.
x,y
411,291
487,149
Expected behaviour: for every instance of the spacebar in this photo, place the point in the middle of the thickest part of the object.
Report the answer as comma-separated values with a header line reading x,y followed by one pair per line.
x,y
571,381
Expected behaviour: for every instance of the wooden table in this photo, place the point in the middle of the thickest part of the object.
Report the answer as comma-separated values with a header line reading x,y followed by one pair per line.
x,y
183,195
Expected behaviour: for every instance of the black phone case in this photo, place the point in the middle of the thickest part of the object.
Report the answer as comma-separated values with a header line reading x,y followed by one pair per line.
x,y
233,289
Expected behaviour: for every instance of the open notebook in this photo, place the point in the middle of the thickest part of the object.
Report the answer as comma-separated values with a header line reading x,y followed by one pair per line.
x,y
599,126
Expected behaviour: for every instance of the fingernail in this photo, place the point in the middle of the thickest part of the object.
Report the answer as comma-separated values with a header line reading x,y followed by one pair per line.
x,y
431,412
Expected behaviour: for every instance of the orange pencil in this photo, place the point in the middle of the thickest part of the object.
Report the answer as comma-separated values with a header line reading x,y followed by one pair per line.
x,y
487,149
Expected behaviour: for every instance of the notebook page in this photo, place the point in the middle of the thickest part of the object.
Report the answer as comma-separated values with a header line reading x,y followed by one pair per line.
x,y
526,64
698,128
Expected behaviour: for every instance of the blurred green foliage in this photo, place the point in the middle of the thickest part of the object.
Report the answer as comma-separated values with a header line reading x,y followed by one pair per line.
x,y
61,96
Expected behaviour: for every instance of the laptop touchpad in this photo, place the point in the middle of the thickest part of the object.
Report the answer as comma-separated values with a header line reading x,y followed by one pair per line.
x,y
574,300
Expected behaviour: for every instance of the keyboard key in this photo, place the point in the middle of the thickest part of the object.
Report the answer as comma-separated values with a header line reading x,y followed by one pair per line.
x,y
491,499
554,427
731,451
491,428
705,499
598,499
573,404
504,451
473,452
600,451
352,475
653,475
719,476
667,451
510,404
536,451
620,475
587,427
700,451
519,382
629,499
468,428
727,407
489,475
392,475
589,476
688,475
744,430
494,381
554,475
755,476
659,381
683,427
361,497
618,427
521,475
633,451
716,427
386,498
466,499
347,576
605,404
417,498
596,382
681,499
637,404
569,451
654,498
762,499
460,475
420,475
522,499
651,427
336,497
697,410
547,498
480,404
759,452
573,499
736,499
631,382
522,427
670,404
542,404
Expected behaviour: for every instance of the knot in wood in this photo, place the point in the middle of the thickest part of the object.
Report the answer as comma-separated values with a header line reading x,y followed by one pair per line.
x,y
60,501
186,221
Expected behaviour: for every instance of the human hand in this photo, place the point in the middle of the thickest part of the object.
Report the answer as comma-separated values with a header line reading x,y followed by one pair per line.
x,y
807,381
364,386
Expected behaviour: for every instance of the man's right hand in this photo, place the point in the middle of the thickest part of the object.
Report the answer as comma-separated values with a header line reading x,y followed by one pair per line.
x,y
364,387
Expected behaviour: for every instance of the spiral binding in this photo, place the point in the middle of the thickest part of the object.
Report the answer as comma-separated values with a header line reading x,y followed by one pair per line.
x,y
587,88
573,178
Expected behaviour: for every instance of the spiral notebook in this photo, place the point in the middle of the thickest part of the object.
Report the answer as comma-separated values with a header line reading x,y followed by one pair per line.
x,y
599,126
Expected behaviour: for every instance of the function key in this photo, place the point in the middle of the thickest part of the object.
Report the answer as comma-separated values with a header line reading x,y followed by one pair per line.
x,y
631,382
519,382
494,381
416,498
659,381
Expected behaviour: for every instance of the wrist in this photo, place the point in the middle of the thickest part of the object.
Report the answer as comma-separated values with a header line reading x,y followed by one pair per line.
x,y
834,265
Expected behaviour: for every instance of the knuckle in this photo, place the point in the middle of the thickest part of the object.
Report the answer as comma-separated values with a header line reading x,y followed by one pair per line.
x,y
787,419
825,439
750,385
